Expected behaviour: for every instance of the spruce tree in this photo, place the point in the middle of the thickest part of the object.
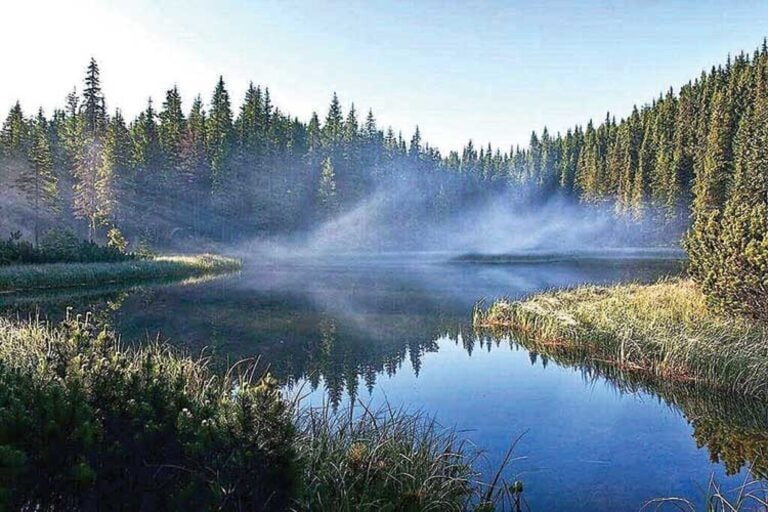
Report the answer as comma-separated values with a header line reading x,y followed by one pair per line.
x,y
171,130
14,137
334,123
37,179
326,194
219,136
93,107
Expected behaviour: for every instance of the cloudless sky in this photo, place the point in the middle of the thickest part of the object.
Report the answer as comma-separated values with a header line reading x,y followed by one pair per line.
x,y
491,71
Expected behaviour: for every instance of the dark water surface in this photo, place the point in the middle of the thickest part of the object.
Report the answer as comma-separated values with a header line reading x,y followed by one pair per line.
x,y
397,328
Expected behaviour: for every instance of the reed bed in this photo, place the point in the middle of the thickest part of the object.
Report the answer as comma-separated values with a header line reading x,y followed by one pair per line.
x,y
387,459
663,330
64,275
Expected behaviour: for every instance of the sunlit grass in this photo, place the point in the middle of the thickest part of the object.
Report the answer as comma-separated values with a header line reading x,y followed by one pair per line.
x,y
61,275
664,330
363,459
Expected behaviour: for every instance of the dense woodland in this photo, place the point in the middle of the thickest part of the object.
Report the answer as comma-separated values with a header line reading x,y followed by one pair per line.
x,y
696,156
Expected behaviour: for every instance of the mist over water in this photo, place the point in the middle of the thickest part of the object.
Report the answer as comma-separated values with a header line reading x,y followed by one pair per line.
x,y
391,222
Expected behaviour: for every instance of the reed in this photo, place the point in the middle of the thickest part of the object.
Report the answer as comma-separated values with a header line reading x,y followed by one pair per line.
x,y
364,459
663,331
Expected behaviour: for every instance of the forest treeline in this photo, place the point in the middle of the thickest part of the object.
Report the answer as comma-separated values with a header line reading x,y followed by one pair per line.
x,y
225,172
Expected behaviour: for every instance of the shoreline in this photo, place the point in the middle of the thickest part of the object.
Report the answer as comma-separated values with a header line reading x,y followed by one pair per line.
x,y
663,331
51,276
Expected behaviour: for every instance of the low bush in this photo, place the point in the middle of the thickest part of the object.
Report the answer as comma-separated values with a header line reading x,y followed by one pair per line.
x,y
60,246
88,424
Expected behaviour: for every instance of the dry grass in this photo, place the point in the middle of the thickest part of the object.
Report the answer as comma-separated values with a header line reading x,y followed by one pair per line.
x,y
664,330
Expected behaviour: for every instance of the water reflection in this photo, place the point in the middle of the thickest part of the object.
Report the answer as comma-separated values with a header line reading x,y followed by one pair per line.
x,y
733,428
345,329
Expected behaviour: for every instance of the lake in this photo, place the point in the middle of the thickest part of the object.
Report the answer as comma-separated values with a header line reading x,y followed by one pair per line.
x,y
397,328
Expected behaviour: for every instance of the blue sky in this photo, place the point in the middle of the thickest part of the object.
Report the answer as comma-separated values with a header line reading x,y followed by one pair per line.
x,y
490,71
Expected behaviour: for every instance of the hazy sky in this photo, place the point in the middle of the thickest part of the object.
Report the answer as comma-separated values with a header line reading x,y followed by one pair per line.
x,y
490,71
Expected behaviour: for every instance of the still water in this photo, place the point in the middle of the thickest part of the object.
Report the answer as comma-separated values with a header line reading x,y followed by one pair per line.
x,y
398,329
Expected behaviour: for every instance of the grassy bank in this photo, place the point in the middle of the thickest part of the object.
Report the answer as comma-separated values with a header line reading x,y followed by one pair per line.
x,y
87,423
61,275
660,331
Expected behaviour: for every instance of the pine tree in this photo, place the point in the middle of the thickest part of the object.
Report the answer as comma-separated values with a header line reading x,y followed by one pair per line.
x,y
414,148
93,107
194,172
14,137
334,123
219,136
326,194
38,180
732,255
116,181
146,154
171,130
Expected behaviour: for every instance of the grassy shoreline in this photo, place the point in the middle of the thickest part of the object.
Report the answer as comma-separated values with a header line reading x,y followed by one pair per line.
x,y
16,278
88,423
662,331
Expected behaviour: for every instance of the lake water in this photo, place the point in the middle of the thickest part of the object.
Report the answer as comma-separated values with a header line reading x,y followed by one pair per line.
x,y
397,328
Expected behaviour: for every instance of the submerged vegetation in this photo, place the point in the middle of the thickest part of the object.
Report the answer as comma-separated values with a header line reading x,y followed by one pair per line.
x,y
62,275
87,422
664,331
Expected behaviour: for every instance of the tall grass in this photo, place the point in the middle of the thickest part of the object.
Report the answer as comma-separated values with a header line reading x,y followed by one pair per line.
x,y
751,496
664,330
88,423
61,275
390,460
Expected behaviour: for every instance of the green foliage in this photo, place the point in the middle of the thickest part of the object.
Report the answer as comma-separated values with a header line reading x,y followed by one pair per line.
x,y
662,332
57,246
86,423
58,275
728,243
116,240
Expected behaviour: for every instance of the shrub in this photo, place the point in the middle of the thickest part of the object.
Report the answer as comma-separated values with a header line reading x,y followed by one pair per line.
x,y
86,424
62,246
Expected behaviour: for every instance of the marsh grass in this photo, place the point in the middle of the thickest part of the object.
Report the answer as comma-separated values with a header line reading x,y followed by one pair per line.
x,y
17,278
662,331
387,459
90,423
750,496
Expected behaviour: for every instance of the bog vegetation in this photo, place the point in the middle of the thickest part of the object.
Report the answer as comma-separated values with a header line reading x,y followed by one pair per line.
x,y
87,422
665,331
64,275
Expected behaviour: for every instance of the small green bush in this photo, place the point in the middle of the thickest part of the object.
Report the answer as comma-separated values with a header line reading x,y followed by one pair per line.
x,y
61,246
86,424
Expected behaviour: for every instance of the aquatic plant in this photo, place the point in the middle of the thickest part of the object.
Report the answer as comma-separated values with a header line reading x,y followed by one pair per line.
x,y
750,496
